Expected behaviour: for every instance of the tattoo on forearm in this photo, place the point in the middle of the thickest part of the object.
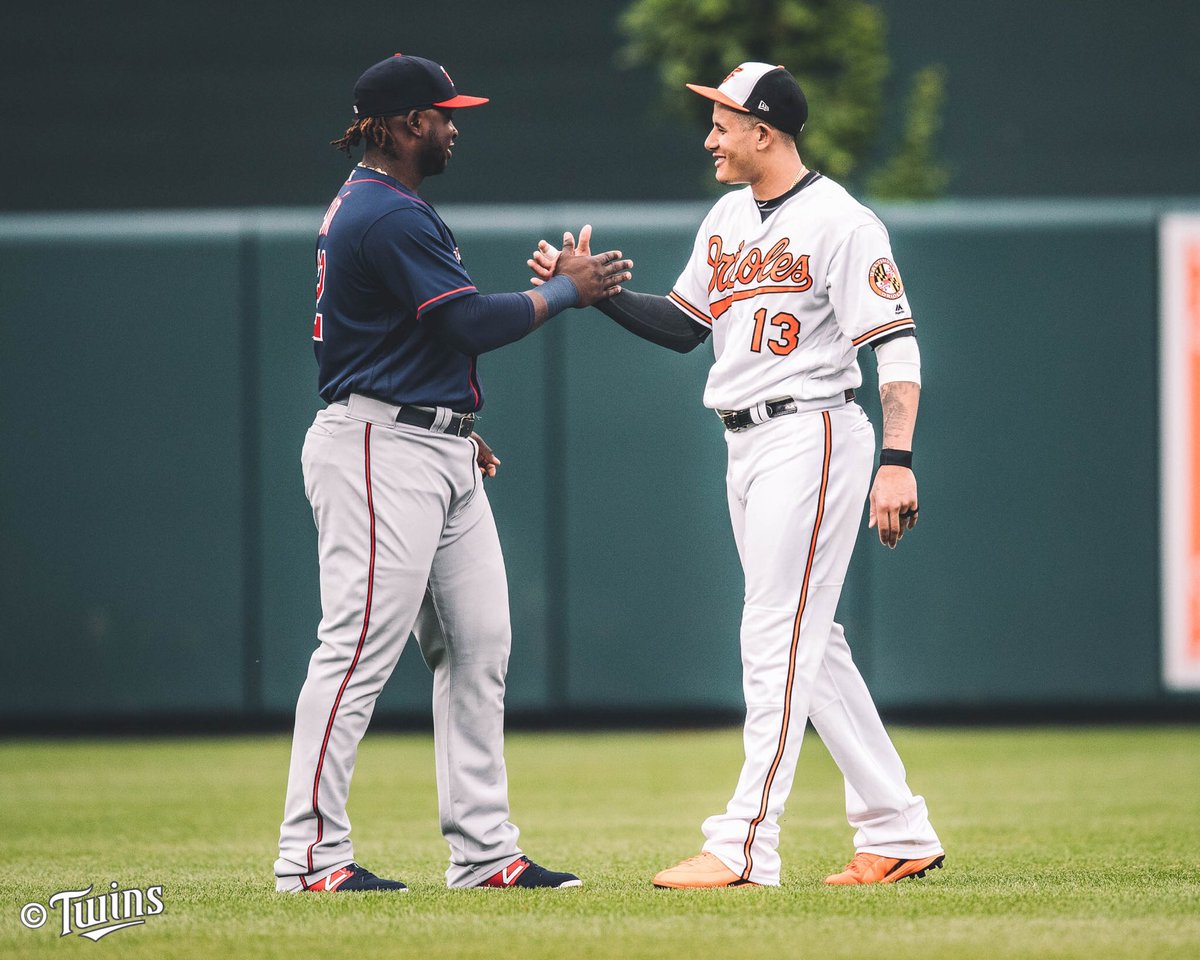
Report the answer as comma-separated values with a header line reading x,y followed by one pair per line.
x,y
899,414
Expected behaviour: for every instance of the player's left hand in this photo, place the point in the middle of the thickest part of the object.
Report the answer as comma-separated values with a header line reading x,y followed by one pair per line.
x,y
893,503
488,461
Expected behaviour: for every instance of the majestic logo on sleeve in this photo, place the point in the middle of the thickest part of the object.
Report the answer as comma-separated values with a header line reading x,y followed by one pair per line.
x,y
885,279
776,271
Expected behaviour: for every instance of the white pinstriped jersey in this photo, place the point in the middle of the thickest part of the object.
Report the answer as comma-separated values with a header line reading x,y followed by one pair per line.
x,y
790,300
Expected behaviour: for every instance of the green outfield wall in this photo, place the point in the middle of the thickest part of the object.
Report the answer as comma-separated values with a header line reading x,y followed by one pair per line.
x,y
157,554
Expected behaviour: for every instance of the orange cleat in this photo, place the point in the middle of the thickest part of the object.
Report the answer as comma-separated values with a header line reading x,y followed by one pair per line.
x,y
872,868
700,872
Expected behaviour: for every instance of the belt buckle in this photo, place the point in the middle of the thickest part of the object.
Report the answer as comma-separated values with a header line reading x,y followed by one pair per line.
x,y
466,425
729,418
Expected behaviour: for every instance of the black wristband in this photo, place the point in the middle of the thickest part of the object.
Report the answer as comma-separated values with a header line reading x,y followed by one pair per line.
x,y
895,458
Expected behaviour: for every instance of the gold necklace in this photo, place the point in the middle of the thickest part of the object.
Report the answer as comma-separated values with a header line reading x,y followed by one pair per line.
x,y
800,176
367,166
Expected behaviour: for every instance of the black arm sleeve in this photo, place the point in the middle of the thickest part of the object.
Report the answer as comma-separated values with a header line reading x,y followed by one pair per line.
x,y
655,319
482,322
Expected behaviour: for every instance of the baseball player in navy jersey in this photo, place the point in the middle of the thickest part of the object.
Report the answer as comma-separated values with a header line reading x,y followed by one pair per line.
x,y
791,276
393,472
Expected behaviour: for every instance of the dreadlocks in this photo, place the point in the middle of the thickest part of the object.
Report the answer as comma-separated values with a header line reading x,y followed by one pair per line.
x,y
372,129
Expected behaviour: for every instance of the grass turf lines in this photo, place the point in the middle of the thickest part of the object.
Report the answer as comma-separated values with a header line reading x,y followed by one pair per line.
x,y
1061,843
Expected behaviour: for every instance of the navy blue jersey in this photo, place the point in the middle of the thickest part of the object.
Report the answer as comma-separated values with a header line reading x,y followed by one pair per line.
x,y
384,259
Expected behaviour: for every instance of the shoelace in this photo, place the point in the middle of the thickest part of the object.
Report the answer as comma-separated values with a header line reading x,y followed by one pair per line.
x,y
858,866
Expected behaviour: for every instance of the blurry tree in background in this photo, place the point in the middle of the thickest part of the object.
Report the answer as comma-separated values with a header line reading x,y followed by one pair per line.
x,y
836,49
913,172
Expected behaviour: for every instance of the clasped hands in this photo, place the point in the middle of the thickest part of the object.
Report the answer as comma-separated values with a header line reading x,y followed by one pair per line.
x,y
596,277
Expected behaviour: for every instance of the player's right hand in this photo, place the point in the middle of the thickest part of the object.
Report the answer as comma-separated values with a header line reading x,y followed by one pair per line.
x,y
547,261
546,255
486,460
596,277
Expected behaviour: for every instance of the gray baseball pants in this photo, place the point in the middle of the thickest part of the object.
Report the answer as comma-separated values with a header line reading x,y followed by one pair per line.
x,y
407,543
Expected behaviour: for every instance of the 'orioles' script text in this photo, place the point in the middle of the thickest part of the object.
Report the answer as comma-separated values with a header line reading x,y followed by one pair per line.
x,y
778,264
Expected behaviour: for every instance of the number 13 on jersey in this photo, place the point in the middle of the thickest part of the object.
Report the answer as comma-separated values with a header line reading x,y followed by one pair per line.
x,y
784,330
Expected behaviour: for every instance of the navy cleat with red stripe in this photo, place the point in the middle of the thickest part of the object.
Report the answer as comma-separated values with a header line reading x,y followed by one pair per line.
x,y
523,872
354,879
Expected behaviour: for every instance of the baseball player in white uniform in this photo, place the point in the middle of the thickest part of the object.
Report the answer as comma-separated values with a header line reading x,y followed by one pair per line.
x,y
791,276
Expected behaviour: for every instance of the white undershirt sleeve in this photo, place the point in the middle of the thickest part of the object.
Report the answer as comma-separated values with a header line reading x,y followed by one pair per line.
x,y
899,360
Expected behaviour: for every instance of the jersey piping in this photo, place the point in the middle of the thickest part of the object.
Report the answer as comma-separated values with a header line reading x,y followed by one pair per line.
x,y
443,296
410,196
692,311
887,328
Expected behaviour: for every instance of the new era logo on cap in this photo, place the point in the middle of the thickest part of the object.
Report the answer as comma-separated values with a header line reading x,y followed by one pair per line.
x,y
768,92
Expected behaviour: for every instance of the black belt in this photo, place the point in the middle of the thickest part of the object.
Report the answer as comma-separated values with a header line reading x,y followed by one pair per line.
x,y
461,424
740,419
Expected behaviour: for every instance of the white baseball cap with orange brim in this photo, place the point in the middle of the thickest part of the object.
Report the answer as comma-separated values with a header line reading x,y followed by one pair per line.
x,y
767,91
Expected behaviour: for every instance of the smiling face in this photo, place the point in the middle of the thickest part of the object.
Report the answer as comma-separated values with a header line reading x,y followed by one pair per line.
x,y
733,142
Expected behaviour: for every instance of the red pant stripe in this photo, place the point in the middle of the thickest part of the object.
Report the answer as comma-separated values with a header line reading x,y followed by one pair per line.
x,y
357,653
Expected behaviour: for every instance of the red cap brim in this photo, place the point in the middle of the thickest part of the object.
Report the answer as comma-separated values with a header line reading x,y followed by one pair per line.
x,y
460,101
714,94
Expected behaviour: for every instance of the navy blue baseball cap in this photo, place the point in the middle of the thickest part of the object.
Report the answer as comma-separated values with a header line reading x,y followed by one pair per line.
x,y
402,83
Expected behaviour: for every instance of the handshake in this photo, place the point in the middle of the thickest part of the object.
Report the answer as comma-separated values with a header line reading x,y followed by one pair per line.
x,y
595,277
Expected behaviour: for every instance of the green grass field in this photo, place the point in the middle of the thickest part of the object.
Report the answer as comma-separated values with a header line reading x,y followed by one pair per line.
x,y
1060,843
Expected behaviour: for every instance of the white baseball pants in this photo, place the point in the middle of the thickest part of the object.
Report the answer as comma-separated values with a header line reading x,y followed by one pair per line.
x,y
407,543
796,486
